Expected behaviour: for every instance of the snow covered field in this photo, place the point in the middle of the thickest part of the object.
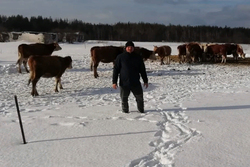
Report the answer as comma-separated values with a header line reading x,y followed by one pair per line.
x,y
196,115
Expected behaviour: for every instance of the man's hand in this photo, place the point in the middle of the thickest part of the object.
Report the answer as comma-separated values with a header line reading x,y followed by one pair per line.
x,y
114,86
146,85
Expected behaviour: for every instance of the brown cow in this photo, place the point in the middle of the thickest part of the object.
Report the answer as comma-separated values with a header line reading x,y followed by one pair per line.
x,y
107,54
223,50
163,51
217,50
47,67
26,50
104,54
181,53
194,52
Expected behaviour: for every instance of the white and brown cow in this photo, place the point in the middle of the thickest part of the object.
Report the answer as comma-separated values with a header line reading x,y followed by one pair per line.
x,y
222,50
47,67
26,50
217,50
163,51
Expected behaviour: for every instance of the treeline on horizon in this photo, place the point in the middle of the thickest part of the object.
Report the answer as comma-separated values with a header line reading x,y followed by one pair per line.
x,y
141,31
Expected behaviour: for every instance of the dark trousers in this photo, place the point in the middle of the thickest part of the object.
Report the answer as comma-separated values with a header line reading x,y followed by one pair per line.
x,y
137,92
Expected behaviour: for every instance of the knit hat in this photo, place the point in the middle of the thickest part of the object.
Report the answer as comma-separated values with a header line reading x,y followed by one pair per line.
x,y
129,43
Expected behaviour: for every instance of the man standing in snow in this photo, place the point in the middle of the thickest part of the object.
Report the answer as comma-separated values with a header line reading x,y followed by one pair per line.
x,y
129,66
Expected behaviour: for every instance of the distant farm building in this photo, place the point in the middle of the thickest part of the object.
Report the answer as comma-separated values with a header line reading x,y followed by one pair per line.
x,y
41,37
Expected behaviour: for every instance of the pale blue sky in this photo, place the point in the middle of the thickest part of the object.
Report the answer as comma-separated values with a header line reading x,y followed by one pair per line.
x,y
230,13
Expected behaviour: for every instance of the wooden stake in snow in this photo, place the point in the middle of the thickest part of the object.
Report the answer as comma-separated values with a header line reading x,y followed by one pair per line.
x,y
20,120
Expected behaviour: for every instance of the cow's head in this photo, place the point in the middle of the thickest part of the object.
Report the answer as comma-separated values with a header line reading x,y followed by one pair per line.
x,y
155,48
57,47
152,56
240,51
68,59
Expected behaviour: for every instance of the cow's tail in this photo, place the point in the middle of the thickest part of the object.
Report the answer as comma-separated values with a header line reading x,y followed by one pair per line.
x,y
29,82
91,60
31,77
18,61
91,63
32,74
19,57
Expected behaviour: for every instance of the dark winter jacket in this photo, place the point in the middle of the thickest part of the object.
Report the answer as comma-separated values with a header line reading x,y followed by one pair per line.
x,y
130,67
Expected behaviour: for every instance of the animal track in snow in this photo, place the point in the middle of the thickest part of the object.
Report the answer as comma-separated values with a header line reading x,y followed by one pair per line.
x,y
70,124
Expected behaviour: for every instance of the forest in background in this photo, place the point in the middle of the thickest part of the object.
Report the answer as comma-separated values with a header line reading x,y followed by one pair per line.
x,y
145,32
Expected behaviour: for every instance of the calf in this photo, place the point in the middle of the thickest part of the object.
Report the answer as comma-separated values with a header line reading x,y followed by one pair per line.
x,y
163,51
47,67
25,51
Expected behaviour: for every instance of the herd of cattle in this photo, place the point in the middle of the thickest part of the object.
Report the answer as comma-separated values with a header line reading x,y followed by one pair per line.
x,y
42,64
196,52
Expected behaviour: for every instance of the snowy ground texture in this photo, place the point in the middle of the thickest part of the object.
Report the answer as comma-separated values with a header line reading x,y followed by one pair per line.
x,y
196,115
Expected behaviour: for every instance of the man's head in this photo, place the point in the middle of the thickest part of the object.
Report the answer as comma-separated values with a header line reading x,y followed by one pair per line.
x,y
129,46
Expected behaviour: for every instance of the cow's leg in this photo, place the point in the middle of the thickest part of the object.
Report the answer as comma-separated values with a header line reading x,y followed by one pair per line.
x,y
95,70
188,58
34,91
196,57
185,59
180,58
91,65
215,58
168,59
192,59
29,82
162,62
235,55
32,76
58,81
25,66
203,57
224,59
19,65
